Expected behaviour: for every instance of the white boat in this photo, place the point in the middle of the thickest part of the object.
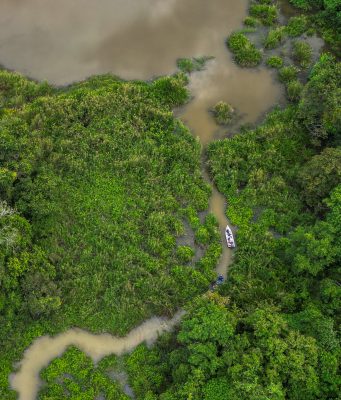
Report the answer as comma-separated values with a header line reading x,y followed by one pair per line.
x,y
229,238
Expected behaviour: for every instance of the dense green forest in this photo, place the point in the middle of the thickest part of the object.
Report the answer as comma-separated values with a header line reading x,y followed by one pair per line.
x,y
99,185
272,331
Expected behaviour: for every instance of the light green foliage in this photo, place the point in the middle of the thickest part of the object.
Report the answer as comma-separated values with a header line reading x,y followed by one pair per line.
x,y
189,65
288,73
302,54
245,52
223,113
296,26
294,90
267,14
274,38
274,62
251,22
185,254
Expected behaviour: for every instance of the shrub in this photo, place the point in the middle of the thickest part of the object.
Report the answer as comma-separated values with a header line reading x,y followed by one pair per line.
x,y
294,90
274,38
287,74
302,54
185,253
267,14
251,22
245,52
223,113
274,62
296,26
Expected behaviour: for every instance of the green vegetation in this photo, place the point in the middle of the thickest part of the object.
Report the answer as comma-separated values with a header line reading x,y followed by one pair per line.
x,y
296,26
96,183
251,22
266,13
274,38
302,54
325,16
74,376
99,182
288,73
271,332
245,52
274,62
223,113
189,65
294,90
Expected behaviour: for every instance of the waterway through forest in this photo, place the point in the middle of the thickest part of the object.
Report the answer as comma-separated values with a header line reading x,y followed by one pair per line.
x,y
67,41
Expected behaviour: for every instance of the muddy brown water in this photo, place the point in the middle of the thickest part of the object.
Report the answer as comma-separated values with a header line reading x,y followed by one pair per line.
x,y
27,382
64,41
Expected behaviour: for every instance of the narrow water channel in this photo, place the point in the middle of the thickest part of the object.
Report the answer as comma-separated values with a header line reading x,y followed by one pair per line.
x,y
66,41
27,382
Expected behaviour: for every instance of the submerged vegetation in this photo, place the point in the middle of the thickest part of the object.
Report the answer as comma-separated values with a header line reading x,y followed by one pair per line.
x,y
245,52
223,113
188,65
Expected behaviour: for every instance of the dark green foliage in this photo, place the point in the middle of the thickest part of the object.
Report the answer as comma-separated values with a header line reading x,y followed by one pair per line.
x,y
222,354
302,54
321,101
319,176
325,15
274,62
267,14
245,52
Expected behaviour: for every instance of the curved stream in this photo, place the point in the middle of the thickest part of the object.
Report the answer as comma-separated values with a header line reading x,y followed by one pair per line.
x,y
67,40
43,350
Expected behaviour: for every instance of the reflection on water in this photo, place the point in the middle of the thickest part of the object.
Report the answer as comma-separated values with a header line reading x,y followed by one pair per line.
x,y
64,40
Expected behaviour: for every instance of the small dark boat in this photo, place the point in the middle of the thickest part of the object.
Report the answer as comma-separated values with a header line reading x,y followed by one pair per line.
x,y
220,280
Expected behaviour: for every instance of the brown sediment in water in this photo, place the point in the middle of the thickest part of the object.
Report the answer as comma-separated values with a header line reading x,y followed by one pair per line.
x,y
43,350
66,41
